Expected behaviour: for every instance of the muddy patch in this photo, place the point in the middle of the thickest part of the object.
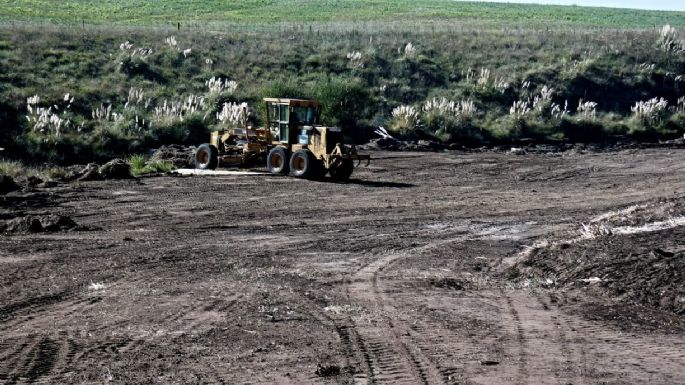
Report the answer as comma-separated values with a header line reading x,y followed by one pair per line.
x,y
48,223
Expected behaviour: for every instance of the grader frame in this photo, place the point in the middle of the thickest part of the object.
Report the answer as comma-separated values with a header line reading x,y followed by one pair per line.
x,y
292,142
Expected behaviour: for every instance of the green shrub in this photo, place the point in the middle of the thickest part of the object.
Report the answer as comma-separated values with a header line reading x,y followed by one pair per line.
x,y
139,166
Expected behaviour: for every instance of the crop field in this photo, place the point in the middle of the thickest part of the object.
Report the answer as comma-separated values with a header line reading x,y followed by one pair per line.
x,y
520,221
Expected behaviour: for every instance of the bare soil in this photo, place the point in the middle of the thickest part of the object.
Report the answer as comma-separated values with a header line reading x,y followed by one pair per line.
x,y
425,268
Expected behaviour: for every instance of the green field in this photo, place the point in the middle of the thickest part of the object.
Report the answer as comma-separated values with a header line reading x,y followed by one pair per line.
x,y
216,12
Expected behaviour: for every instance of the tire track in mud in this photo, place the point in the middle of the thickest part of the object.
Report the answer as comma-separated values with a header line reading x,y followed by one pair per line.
x,y
572,346
46,358
62,306
515,327
390,354
404,351
29,358
586,349
33,358
562,347
643,358
547,355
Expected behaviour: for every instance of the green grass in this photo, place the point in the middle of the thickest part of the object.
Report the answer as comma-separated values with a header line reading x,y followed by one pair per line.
x,y
17,169
266,12
293,57
11,168
139,166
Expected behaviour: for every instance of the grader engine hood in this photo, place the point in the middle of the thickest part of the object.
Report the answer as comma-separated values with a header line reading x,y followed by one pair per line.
x,y
320,140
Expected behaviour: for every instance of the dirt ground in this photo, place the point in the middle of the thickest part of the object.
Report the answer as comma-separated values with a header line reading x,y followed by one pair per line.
x,y
426,268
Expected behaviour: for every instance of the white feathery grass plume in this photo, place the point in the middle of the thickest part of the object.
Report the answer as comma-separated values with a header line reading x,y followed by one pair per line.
x,y
669,40
557,112
587,109
646,68
680,105
483,77
405,112
355,59
136,96
406,117
463,109
409,50
232,114
519,108
47,120
501,84
142,52
544,99
171,42
651,109
125,46
219,85
171,111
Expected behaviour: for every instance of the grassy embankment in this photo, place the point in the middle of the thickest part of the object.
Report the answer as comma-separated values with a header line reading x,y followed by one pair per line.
x,y
458,72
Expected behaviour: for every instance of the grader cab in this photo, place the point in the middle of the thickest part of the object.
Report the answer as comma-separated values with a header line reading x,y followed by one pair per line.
x,y
292,142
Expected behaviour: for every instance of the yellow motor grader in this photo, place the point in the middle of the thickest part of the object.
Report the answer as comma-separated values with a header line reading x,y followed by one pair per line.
x,y
293,142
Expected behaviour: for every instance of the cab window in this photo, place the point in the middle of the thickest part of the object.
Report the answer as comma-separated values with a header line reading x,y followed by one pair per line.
x,y
304,115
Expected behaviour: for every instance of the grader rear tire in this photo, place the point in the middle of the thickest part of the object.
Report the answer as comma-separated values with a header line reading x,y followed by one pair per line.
x,y
277,161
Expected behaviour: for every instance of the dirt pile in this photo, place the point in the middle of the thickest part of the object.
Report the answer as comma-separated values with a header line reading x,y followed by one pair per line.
x,y
90,172
631,255
115,169
391,144
180,156
38,224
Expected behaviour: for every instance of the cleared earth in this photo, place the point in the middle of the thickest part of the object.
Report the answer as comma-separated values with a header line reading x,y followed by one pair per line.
x,y
426,268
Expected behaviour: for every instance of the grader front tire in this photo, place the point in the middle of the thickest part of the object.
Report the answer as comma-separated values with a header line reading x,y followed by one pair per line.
x,y
303,164
206,157
343,171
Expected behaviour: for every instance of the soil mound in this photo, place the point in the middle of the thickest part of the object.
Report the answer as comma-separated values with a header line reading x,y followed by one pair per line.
x,y
90,172
38,224
391,144
632,256
180,156
115,169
